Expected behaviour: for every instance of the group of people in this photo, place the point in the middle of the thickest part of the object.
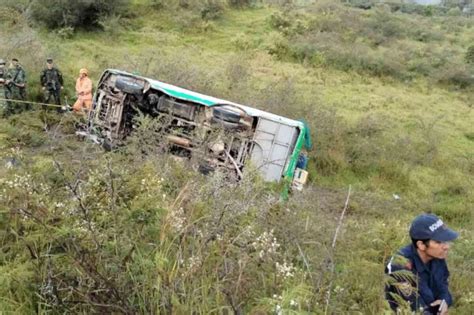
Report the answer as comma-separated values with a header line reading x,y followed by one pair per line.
x,y
13,87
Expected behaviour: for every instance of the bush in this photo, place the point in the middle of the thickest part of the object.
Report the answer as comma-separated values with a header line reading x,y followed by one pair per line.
x,y
243,42
158,4
240,3
288,23
455,74
212,9
470,54
18,5
74,13
66,32
111,23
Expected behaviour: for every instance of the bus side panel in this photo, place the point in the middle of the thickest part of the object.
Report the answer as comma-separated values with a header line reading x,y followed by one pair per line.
x,y
273,145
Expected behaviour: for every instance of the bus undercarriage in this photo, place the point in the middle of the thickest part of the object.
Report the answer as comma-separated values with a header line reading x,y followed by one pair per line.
x,y
219,134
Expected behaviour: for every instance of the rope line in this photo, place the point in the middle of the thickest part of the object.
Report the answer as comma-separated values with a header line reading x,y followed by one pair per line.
x,y
33,103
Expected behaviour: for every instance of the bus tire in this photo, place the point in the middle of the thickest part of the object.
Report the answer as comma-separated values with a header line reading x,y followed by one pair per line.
x,y
225,115
128,87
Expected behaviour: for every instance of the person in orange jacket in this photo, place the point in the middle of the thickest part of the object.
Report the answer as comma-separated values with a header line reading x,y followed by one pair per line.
x,y
83,92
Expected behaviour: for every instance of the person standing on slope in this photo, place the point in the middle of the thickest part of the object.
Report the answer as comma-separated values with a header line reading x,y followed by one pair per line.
x,y
51,83
83,92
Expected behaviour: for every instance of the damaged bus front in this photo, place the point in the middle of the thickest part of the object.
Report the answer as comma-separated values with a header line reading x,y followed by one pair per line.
x,y
219,133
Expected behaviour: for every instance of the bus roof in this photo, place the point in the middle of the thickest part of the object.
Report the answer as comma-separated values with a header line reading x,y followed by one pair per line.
x,y
187,95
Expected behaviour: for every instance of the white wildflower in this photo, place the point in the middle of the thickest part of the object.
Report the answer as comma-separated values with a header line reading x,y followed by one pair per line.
x,y
266,244
338,289
194,262
285,270
177,219
278,310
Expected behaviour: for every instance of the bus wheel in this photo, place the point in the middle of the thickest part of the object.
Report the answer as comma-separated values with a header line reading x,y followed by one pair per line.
x,y
226,115
128,86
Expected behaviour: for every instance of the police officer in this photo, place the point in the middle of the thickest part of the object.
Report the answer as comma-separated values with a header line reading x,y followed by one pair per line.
x,y
3,74
419,274
51,83
15,84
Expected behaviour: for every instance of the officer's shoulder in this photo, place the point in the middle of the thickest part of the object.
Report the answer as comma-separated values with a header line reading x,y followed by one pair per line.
x,y
400,261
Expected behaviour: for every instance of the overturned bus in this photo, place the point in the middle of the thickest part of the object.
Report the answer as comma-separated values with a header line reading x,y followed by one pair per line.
x,y
218,133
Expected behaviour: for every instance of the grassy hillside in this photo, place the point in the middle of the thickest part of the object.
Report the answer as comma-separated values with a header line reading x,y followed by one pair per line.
x,y
389,99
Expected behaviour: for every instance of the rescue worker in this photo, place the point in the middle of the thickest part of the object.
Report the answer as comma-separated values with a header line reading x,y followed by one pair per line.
x,y
15,85
51,83
3,74
83,92
419,274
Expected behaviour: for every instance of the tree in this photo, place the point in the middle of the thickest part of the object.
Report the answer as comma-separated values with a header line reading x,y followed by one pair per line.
x,y
74,13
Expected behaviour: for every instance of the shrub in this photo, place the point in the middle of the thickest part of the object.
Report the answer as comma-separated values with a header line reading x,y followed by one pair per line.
x,y
18,5
470,54
277,45
243,42
280,20
158,4
240,3
454,12
287,22
66,32
212,9
111,23
455,74
72,13
237,72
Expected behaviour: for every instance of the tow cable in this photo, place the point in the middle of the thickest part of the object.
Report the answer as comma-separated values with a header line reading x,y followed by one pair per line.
x,y
63,107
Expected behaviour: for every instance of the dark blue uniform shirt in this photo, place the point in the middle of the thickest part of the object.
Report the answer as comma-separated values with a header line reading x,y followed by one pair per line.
x,y
430,281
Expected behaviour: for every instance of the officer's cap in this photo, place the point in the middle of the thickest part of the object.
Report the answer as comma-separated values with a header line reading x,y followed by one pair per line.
x,y
49,60
15,59
2,62
430,227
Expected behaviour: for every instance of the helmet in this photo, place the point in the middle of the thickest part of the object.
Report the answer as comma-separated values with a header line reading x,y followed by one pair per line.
x,y
83,70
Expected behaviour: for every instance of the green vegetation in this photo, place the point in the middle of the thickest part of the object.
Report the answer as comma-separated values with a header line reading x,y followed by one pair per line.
x,y
388,94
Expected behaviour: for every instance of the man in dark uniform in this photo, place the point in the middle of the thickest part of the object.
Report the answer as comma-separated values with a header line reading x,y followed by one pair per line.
x,y
418,272
15,84
51,82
